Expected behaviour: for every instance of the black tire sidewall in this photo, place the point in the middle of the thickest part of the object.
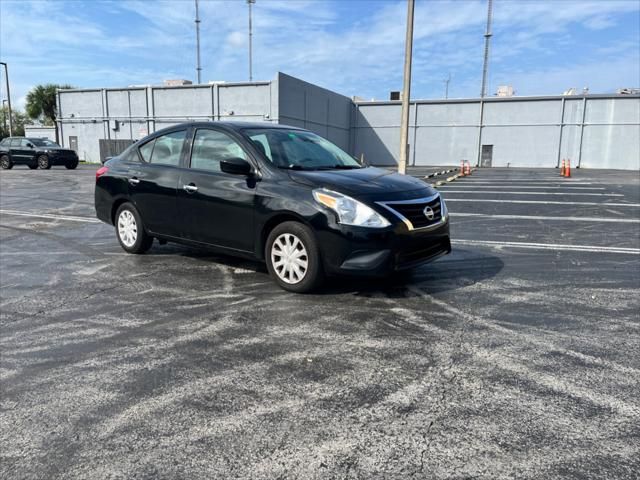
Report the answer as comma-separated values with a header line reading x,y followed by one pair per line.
x,y
315,273
48,162
71,165
6,160
143,241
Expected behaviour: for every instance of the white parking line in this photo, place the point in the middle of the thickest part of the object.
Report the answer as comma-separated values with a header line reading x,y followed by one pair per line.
x,y
534,193
541,217
518,184
50,216
544,202
548,246
460,185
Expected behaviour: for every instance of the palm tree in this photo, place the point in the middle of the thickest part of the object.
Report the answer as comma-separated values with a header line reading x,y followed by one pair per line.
x,y
41,103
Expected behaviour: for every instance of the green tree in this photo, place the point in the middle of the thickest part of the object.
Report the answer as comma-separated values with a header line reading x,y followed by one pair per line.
x,y
19,119
41,103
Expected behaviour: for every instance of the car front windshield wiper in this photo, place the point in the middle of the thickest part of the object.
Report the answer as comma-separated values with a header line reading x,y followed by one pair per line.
x,y
340,167
294,167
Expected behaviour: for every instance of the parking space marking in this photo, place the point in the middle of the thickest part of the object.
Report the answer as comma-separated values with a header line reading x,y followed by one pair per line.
x,y
50,216
542,217
544,202
459,185
484,192
548,246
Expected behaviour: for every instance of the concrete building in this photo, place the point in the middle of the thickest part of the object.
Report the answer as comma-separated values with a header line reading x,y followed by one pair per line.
x,y
40,131
594,131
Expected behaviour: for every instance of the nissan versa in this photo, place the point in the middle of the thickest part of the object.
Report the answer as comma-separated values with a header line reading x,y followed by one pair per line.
x,y
274,193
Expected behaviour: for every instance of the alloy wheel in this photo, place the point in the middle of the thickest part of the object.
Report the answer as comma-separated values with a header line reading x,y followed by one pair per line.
x,y
289,258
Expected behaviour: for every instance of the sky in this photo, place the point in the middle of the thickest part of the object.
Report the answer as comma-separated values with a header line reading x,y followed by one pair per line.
x,y
354,47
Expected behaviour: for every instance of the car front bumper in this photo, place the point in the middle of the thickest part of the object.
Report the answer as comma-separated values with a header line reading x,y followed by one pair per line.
x,y
364,251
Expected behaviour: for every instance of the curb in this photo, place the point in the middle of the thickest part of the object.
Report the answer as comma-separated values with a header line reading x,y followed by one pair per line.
x,y
443,172
453,178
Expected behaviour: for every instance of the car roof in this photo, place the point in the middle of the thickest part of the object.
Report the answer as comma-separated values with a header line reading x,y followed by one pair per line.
x,y
236,126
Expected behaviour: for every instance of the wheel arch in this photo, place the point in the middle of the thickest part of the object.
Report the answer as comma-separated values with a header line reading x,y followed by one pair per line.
x,y
272,223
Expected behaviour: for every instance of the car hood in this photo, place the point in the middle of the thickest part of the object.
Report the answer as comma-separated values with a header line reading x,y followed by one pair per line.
x,y
362,182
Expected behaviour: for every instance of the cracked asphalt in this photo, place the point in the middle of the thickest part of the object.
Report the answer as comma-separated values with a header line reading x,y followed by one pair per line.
x,y
497,361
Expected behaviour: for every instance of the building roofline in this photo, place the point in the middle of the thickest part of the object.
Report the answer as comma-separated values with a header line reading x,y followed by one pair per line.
x,y
500,99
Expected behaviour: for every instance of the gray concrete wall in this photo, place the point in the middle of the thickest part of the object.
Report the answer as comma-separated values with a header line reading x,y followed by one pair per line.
x,y
596,131
39,131
133,113
302,104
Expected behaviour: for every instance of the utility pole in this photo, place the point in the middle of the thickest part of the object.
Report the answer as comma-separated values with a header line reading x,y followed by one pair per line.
x,y
250,3
4,115
198,67
487,41
446,88
6,78
406,92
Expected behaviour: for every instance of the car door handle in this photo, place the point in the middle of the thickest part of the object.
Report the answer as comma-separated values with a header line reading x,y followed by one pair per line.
x,y
134,181
191,188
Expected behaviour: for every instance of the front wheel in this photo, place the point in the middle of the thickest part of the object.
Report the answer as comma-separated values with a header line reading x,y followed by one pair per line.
x,y
130,230
293,259
6,163
72,164
43,162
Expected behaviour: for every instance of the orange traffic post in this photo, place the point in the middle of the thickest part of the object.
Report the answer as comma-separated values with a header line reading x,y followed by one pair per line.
x,y
462,168
567,172
562,170
468,170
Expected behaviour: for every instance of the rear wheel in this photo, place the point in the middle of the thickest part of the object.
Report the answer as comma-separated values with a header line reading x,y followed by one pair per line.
x,y
5,162
293,259
43,162
72,164
130,230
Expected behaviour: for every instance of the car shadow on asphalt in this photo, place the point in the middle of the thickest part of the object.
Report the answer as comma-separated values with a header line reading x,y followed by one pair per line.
x,y
461,268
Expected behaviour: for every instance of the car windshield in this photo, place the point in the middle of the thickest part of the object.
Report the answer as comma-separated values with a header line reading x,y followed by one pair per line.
x,y
299,150
43,142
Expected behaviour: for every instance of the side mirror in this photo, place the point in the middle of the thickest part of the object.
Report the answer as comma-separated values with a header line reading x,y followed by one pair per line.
x,y
236,166
30,145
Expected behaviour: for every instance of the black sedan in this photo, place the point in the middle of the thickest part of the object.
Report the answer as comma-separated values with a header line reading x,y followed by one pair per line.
x,y
273,193
35,153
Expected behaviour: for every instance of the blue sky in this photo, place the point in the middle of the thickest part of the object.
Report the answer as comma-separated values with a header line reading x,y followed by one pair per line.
x,y
354,47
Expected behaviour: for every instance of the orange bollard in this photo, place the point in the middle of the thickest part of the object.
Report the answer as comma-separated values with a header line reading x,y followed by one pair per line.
x,y
468,169
562,170
567,172
462,168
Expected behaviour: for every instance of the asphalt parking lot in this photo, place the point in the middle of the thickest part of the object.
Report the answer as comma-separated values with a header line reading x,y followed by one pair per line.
x,y
514,357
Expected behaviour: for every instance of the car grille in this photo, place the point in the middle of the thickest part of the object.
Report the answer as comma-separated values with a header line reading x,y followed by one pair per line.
x,y
412,212
415,256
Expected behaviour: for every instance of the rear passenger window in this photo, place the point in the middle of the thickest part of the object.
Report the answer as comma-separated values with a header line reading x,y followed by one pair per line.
x,y
211,146
164,150
15,142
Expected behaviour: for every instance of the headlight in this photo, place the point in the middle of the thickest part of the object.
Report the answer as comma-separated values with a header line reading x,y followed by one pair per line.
x,y
349,210
443,208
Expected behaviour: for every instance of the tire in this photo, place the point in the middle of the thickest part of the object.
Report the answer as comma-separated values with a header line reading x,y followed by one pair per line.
x,y
44,163
33,166
302,271
130,230
71,165
6,163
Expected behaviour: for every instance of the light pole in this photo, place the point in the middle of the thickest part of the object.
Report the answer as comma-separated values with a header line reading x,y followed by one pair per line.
x,y
4,115
250,3
406,92
487,42
6,78
198,67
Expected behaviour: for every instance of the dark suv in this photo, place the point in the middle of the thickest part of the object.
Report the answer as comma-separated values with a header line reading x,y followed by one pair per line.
x,y
277,194
35,153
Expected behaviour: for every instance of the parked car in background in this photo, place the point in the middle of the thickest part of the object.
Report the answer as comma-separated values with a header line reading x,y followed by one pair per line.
x,y
272,193
35,153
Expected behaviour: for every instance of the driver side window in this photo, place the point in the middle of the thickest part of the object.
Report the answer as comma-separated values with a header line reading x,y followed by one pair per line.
x,y
211,146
